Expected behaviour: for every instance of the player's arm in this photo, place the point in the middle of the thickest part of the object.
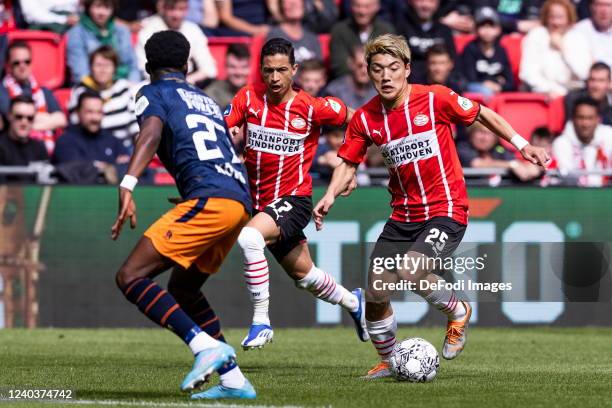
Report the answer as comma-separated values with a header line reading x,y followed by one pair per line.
x,y
498,125
235,114
342,178
146,145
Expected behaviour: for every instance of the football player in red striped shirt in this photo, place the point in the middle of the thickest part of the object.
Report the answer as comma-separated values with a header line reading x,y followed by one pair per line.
x,y
282,126
411,125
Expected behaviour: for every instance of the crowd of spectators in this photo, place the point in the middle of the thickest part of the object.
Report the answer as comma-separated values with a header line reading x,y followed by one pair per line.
x,y
566,53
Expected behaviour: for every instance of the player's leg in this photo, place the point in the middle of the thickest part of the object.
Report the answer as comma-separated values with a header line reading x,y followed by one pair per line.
x,y
259,231
134,279
438,239
296,261
184,285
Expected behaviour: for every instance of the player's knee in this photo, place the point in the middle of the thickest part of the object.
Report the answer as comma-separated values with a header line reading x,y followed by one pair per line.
x,y
124,277
250,239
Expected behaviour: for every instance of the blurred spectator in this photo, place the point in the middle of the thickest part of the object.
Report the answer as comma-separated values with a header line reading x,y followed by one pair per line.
x,y
585,144
88,145
355,30
319,15
516,15
305,42
598,30
132,12
482,150
543,137
171,16
20,81
204,13
50,15
242,17
598,87
96,28
354,89
312,76
326,157
238,68
420,27
485,62
119,118
555,59
441,70
17,148
457,14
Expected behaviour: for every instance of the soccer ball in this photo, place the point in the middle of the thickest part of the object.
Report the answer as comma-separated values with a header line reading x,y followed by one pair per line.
x,y
414,360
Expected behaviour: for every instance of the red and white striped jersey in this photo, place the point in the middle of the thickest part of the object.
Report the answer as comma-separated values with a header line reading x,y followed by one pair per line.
x,y
281,140
426,178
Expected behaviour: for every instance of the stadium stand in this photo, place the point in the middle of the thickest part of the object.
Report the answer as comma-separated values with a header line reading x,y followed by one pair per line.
x,y
49,55
218,48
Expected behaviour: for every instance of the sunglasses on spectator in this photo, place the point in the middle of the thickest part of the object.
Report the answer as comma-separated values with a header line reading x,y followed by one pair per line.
x,y
18,117
17,63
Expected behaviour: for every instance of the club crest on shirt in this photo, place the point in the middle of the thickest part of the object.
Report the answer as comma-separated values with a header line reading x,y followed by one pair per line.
x,y
298,123
465,103
420,120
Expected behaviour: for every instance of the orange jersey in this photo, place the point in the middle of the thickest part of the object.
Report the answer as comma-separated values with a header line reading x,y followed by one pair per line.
x,y
281,140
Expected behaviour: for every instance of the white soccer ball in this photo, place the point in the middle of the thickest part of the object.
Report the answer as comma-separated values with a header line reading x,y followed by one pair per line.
x,y
414,360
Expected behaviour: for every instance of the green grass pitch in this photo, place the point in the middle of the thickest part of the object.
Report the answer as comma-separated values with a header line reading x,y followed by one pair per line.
x,y
518,367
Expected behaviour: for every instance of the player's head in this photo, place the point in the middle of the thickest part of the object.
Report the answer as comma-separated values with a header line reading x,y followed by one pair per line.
x,y
585,118
167,51
388,58
277,65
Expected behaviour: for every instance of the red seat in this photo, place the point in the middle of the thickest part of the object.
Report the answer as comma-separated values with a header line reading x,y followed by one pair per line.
x,y
257,44
218,48
63,97
556,117
324,40
48,55
461,40
512,43
524,111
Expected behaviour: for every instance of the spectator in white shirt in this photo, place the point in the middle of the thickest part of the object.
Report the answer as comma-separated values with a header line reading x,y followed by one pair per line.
x,y
555,59
585,144
598,30
51,15
171,16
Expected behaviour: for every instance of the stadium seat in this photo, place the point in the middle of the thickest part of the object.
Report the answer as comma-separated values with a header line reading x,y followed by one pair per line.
x,y
257,44
63,97
461,40
218,48
556,117
48,55
324,40
512,43
524,111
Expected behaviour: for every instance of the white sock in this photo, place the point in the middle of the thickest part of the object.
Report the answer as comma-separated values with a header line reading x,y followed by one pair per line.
x,y
382,335
447,302
325,287
233,378
256,272
202,341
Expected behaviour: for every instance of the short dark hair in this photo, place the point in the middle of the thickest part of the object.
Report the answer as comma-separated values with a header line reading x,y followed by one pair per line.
x,y
20,99
437,49
167,50
312,64
172,3
600,66
87,94
239,51
276,46
542,132
14,45
105,51
108,3
585,100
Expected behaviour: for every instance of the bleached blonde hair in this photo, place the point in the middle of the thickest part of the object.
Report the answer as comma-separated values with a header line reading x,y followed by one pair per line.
x,y
391,44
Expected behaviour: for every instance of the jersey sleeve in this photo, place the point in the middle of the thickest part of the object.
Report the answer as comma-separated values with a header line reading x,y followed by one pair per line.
x,y
330,111
454,108
235,112
149,103
356,141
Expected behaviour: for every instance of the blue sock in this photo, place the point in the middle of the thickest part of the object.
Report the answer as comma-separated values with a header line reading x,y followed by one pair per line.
x,y
159,306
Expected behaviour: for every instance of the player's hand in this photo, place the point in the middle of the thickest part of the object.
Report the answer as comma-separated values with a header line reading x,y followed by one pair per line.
x,y
127,208
349,189
536,155
321,210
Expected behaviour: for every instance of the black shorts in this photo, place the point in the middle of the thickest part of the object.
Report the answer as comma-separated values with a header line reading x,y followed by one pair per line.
x,y
291,214
438,237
